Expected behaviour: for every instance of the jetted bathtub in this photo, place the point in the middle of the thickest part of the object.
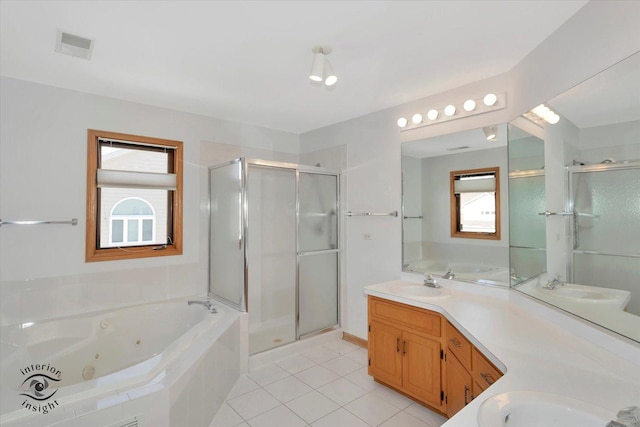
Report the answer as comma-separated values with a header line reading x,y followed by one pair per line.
x,y
490,274
101,360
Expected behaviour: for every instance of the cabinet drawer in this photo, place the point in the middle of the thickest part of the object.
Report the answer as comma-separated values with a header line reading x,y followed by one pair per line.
x,y
401,314
459,345
483,371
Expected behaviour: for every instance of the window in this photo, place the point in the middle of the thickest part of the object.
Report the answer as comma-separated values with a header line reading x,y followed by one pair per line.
x,y
132,221
134,196
475,203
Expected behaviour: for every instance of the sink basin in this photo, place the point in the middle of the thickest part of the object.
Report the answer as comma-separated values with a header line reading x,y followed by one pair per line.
x,y
535,409
419,291
582,294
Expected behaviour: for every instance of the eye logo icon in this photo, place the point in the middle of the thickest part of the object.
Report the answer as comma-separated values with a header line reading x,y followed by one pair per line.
x,y
38,387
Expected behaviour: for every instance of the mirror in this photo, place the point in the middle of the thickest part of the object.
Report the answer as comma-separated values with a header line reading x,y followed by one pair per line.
x,y
527,232
428,245
591,209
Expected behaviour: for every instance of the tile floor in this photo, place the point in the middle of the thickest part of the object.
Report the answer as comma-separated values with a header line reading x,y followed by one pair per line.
x,y
326,386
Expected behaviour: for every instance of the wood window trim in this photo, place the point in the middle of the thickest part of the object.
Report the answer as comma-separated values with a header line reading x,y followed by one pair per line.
x,y
454,208
92,253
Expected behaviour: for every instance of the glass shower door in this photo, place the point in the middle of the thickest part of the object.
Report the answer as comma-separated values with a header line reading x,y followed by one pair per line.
x,y
271,256
606,227
226,244
317,252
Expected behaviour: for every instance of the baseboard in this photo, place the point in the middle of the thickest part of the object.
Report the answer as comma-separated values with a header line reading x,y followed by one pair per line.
x,y
354,339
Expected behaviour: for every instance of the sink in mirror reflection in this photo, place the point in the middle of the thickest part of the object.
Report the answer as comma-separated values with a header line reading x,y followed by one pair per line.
x,y
535,409
586,294
412,290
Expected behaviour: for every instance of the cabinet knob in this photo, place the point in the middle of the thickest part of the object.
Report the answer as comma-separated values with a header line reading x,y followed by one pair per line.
x,y
456,343
466,395
487,377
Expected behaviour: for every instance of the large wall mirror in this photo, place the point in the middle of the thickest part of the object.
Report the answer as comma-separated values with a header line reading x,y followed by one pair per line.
x,y
444,178
584,198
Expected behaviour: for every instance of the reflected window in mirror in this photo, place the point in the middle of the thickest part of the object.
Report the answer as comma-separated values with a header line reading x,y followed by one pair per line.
x,y
475,203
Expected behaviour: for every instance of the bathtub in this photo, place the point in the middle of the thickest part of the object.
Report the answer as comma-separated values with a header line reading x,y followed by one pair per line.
x,y
138,360
490,274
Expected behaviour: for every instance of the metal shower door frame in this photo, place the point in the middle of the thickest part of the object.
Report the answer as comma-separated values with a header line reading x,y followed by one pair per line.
x,y
572,229
245,234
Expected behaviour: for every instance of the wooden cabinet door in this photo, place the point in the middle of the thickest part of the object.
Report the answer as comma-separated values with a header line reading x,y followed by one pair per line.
x,y
421,374
459,385
385,356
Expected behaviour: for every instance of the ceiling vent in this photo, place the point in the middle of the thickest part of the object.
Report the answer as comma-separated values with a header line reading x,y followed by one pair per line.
x,y
73,45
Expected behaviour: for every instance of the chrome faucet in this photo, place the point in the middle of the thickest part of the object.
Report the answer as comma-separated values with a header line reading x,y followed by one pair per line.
x,y
212,308
449,275
628,417
552,284
430,281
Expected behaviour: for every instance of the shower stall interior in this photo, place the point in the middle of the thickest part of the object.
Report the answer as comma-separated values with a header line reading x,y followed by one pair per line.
x,y
604,232
274,247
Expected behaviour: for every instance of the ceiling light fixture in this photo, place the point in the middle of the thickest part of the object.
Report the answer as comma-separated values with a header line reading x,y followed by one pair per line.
x,y
321,69
542,114
491,132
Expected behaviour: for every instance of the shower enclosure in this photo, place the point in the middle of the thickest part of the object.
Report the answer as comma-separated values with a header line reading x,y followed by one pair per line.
x,y
605,227
273,248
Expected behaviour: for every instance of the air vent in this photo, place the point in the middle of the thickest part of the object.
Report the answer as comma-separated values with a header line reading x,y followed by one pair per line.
x,y
70,44
458,148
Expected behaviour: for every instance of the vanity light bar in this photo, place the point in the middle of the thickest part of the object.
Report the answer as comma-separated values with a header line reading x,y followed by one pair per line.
x,y
542,114
470,107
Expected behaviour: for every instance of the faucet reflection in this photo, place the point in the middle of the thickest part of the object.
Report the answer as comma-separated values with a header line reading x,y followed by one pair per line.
x,y
449,275
552,284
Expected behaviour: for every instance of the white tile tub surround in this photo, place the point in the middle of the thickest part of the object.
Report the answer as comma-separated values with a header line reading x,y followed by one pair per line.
x,y
52,297
324,384
188,390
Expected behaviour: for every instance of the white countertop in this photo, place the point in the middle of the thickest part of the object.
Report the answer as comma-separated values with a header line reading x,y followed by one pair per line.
x,y
539,348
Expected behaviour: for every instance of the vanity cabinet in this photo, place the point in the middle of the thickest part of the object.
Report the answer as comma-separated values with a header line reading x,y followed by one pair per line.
x,y
459,380
419,353
405,346
468,372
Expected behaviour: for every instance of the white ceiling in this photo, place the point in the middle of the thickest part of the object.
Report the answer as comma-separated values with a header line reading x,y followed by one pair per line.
x,y
248,61
612,96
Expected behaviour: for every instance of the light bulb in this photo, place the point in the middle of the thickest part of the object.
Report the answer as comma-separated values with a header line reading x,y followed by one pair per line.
x,y
432,114
449,110
539,110
417,118
402,122
330,77
553,119
317,69
469,105
490,99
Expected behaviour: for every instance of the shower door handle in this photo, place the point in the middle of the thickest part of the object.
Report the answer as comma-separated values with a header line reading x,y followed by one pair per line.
x,y
548,214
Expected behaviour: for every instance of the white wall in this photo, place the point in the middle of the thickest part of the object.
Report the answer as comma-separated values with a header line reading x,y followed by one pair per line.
x,y
43,140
